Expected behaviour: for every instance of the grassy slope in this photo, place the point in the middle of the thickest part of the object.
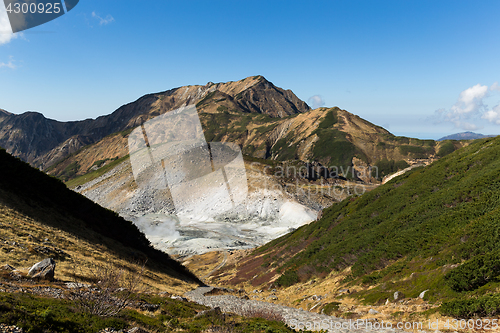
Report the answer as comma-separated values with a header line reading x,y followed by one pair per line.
x,y
30,193
39,314
421,222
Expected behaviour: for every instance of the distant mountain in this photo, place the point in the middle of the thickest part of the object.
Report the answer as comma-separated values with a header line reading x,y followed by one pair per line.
x,y
465,136
42,142
268,122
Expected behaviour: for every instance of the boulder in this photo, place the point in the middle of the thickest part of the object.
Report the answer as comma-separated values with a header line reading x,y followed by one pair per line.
x,y
398,295
211,312
373,312
422,294
44,269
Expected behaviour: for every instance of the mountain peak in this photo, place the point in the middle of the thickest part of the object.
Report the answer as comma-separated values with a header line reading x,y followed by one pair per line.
x,y
31,135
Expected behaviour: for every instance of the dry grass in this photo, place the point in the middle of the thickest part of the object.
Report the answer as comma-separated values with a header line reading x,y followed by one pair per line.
x,y
25,241
203,263
299,296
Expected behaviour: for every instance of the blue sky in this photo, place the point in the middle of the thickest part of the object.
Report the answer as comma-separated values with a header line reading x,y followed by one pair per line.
x,y
419,68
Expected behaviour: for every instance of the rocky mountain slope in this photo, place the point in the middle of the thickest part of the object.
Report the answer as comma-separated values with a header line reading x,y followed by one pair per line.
x,y
266,121
42,142
329,136
433,229
40,216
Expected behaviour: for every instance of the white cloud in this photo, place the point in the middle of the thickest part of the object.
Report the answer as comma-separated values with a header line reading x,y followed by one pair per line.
x,y
6,34
316,101
470,100
108,19
470,107
493,115
9,64
495,87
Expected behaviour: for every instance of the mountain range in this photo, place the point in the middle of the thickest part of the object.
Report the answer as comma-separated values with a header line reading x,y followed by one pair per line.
x,y
42,142
271,125
266,121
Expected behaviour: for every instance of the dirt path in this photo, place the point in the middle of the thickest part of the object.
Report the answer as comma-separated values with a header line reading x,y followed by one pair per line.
x,y
219,266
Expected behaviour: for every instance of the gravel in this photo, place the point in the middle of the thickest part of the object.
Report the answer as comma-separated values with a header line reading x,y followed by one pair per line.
x,y
295,318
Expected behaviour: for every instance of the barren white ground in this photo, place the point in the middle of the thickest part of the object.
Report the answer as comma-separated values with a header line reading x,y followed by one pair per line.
x,y
263,215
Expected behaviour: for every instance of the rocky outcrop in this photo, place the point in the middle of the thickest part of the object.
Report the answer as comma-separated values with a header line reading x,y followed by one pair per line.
x,y
265,97
44,269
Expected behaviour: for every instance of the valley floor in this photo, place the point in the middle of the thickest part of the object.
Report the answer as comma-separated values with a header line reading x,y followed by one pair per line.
x,y
307,302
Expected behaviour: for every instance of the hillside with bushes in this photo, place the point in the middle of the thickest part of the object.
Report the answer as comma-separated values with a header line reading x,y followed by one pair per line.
x,y
434,228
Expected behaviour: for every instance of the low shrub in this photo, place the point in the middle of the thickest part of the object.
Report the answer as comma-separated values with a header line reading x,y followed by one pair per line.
x,y
474,273
287,279
484,306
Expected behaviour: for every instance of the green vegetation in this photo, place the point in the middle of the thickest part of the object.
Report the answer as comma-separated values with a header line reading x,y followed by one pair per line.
x,y
206,99
330,308
447,148
416,151
287,279
38,314
485,306
333,148
475,272
407,234
96,173
282,151
70,171
222,108
329,120
100,162
385,167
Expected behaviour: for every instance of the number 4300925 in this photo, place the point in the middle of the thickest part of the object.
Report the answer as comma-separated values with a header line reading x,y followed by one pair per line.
x,y
32,8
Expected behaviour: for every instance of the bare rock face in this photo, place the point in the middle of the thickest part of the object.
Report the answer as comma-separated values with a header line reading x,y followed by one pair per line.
x,y
44,269
265,97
